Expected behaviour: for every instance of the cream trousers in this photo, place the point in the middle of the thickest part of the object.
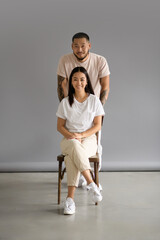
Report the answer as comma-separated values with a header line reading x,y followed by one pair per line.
x,y
76,157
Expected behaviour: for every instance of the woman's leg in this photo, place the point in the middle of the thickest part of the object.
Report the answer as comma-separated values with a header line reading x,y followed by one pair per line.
x,y
72,172
90,144
87,175
76,160
71,191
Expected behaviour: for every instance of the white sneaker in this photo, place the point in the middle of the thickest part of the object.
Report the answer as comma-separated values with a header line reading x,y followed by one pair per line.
x,y
95,192
69,206
100,187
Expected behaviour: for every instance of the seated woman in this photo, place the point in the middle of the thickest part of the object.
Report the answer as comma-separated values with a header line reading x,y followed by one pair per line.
x,y
79,118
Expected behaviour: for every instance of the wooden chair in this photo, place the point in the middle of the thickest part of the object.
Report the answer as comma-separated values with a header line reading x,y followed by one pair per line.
x,y
61,171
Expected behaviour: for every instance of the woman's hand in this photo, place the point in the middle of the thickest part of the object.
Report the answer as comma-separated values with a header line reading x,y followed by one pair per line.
x,y
77,136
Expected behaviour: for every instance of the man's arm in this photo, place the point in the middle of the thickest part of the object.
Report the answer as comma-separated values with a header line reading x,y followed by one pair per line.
x,y
104,89
62,89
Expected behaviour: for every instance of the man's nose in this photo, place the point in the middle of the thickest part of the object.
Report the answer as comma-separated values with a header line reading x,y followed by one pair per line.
x,y
79,49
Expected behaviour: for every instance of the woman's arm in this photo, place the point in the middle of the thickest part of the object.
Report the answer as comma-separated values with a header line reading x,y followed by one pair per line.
x,y
69,135
96,127
62,129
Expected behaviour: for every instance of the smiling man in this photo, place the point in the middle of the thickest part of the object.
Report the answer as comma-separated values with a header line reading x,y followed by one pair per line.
x,y
96,66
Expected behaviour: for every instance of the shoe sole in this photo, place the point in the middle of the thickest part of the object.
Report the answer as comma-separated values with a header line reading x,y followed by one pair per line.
x,y
98,200
69,213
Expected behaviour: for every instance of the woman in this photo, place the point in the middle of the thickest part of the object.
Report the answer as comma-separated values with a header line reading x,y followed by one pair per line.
x,y
79,118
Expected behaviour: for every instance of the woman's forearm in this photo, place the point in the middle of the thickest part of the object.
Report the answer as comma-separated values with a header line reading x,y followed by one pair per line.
x,y
84,134
64,132
91,131
75,135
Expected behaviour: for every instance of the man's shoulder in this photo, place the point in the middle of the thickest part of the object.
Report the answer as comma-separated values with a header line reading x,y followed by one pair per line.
x,y
97,57
67,57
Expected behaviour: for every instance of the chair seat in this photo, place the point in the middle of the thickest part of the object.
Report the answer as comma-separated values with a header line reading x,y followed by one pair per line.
x,y
94,158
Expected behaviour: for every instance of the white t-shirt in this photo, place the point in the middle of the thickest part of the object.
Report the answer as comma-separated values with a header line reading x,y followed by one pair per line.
x,y
79,117
96,66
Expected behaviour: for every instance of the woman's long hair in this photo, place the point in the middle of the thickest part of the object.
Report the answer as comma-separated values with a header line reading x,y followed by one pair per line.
x,y
88,88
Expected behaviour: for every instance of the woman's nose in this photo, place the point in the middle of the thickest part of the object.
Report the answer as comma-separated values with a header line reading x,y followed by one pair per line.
x,y
78,82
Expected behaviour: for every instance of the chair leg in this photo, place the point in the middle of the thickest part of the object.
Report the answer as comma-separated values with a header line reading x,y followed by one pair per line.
x,y
96,173
59,182
96,176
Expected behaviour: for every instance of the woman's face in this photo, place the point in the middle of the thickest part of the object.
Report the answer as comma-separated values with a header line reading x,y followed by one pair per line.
x,y
79,81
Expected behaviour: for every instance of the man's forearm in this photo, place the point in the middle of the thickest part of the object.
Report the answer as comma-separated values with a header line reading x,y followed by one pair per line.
x,y
104,89
62,88
104,96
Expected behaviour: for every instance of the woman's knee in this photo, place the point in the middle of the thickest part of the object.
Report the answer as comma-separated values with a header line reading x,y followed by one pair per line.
x,y
74,143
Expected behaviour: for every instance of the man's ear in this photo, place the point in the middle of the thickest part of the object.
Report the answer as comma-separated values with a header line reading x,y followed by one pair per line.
x,y
89,45
72,46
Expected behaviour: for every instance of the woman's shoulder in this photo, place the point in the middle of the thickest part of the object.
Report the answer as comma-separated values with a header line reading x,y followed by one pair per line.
x,y
93,98
95,101
64,100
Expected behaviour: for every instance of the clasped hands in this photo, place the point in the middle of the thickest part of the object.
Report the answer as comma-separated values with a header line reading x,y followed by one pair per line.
x,y
77,136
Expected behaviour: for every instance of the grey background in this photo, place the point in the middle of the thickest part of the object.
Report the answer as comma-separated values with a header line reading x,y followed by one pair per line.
x,y
33,36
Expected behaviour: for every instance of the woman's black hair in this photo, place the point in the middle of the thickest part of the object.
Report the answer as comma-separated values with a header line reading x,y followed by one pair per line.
x,y
88,88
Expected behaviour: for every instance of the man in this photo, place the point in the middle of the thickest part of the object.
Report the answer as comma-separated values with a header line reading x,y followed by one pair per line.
x,y
96,66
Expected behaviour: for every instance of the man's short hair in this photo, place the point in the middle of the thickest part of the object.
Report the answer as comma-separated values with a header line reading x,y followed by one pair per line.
x,y
80,35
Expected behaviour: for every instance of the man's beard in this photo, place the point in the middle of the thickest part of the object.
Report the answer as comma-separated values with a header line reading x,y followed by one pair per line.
x,y
81,59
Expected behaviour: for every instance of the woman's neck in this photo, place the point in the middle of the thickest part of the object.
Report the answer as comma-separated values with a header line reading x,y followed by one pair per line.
x,y
80,96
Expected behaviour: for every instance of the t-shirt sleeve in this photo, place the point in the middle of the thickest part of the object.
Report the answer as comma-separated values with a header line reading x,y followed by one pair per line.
x,y
99,108
61,68
103,68
60,112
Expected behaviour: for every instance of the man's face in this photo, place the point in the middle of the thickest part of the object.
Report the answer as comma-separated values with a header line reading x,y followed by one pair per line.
x,y
81,47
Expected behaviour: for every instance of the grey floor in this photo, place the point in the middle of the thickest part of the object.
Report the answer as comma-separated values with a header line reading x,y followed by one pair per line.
x,y
130,209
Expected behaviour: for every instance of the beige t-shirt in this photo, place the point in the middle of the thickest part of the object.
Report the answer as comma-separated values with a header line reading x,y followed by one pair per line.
x,y
96,66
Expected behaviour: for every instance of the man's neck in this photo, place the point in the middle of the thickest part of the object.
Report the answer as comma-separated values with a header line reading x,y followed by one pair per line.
x,y
83,60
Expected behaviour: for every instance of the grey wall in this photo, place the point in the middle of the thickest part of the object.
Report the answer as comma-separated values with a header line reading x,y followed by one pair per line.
x,y
33,36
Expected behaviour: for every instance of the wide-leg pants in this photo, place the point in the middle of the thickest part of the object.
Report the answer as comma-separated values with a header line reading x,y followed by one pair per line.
x,y
76,156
